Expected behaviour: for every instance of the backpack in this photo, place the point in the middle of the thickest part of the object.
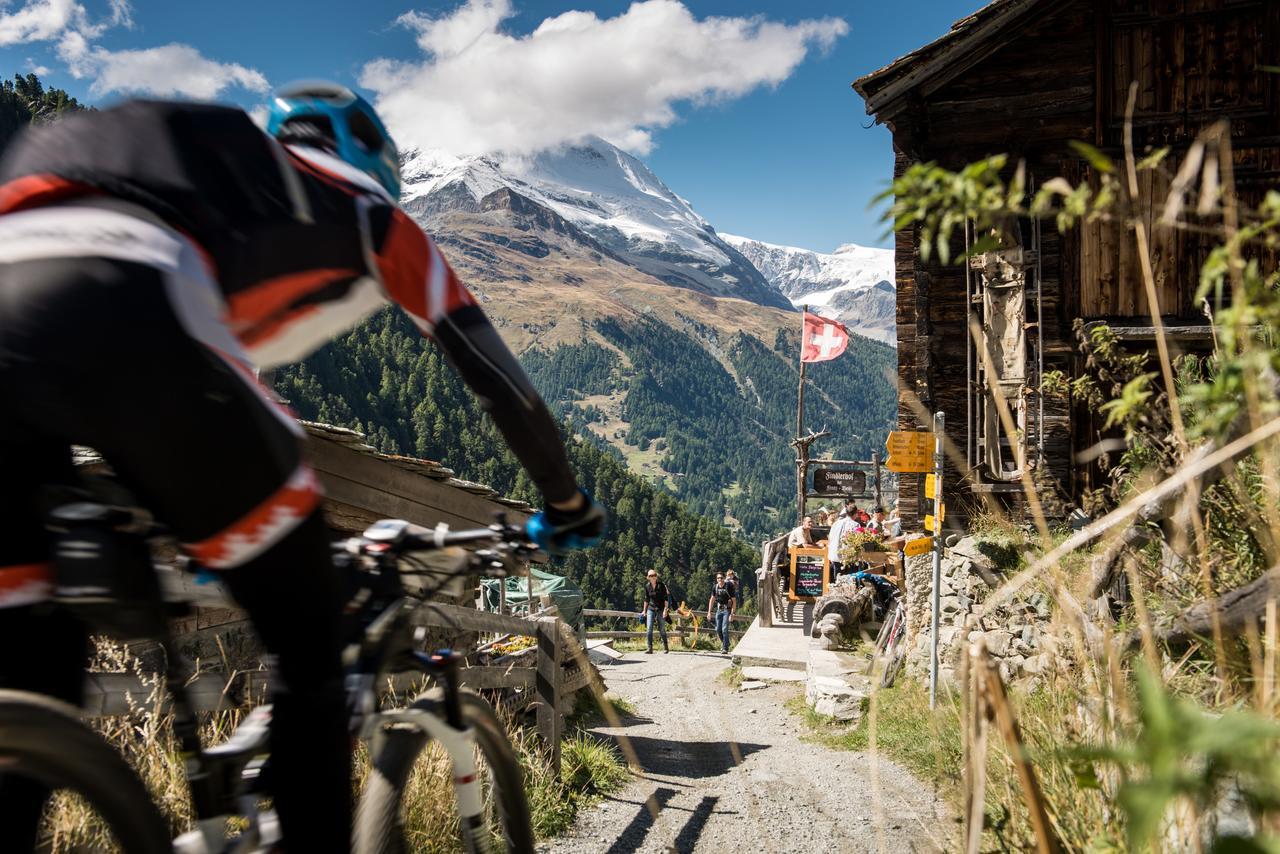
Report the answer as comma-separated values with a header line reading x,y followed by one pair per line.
x,y
723,593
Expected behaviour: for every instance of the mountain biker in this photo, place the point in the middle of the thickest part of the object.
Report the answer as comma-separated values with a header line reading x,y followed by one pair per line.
x,y
152,255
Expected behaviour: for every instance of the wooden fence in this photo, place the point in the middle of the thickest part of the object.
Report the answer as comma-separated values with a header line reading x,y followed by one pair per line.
x,y
547,682
679,630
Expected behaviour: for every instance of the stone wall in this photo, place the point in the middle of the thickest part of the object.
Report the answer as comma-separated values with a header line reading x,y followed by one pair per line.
x,y
1015,632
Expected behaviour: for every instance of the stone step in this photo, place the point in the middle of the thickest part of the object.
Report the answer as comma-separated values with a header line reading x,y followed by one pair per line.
x,y
773,674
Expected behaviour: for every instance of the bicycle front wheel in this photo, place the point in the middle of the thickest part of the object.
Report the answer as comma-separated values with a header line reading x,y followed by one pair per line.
x,y
381,820
42,740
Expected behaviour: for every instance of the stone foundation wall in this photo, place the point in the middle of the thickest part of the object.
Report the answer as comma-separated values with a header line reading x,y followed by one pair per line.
x,y
1015,632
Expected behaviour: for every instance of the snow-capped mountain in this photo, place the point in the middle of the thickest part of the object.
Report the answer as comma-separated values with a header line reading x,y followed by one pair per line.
x,y
609,195
854,284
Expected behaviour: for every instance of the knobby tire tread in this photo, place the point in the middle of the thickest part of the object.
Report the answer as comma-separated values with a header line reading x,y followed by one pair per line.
x,y
378,825
44,739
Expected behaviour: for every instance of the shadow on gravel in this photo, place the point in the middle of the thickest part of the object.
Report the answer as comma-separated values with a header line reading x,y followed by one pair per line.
x,y
632,836
693,760
692,829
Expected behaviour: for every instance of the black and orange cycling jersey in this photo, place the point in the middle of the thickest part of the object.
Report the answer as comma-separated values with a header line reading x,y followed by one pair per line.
x,y
296,245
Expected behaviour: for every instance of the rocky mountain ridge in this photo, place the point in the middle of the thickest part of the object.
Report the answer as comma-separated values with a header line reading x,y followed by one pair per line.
x,y
854,284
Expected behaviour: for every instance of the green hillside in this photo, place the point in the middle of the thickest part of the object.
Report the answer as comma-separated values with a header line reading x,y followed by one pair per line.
x,y
382,379
720,427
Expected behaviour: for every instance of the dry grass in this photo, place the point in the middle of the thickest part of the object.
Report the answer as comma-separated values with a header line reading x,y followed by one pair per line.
x,y
589,768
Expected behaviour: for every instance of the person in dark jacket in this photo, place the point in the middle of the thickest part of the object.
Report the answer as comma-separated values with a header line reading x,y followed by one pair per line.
x,y
657,602
720,607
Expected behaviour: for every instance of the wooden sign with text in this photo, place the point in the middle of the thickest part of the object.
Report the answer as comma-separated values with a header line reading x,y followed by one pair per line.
x,y
809,571
909,451
918,546
832,483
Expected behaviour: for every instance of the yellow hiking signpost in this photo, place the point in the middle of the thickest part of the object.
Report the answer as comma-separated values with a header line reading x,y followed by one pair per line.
x,y
909,451
931,485
919,546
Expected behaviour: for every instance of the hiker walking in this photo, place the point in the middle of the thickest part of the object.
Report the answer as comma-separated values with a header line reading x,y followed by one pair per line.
x,y
656,602
722,605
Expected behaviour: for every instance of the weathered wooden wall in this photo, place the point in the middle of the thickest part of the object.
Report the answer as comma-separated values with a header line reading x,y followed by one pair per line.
x,y
1063,73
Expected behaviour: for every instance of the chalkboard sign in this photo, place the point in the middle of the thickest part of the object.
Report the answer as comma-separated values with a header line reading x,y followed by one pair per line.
x,y
808,574
832,483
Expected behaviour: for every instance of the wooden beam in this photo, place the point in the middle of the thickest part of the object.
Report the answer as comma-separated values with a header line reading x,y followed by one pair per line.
x,y
471,619
550,722
375,485
678,633
603,612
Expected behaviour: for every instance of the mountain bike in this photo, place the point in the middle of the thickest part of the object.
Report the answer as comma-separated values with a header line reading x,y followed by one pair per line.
x,y
891,645
44,739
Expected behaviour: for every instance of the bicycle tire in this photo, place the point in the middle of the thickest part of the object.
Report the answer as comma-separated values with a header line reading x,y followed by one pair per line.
x,y
882,638
378,819
43,739
897,657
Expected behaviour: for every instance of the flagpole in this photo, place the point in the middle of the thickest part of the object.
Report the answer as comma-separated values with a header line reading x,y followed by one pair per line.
x,y
802,449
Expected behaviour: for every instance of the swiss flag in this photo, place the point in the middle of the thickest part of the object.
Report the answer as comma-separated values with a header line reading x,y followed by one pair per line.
x,y
823,339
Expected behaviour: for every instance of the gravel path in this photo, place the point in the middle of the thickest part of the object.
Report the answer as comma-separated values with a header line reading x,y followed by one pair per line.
x,y
727,771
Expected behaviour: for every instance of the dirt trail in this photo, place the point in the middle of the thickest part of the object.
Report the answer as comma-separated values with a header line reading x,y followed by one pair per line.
x,y
728,771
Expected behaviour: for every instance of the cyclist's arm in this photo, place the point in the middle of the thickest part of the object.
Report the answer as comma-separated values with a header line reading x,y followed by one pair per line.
x,y
417,277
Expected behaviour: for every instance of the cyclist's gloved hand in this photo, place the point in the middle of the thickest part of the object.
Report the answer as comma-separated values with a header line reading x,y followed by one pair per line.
x,y
559,531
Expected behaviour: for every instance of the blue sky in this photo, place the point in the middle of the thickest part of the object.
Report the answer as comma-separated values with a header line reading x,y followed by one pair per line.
x,y
791,160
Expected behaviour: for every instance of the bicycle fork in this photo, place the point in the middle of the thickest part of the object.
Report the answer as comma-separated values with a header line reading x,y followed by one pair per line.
x,y
461,748
458,739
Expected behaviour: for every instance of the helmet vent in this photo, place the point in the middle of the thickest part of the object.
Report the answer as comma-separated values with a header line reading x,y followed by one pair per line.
x,y
365,133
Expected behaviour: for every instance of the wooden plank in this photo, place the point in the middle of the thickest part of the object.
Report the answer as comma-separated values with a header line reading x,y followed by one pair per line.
x,y
631,615
471,619
499,677
107,694
549,674
368,482
672,632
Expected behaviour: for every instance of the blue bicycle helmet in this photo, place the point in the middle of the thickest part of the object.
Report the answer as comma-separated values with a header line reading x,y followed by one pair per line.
x,y
329,115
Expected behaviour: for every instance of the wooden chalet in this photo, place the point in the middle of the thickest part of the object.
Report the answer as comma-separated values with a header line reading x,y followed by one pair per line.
x,y
1026,77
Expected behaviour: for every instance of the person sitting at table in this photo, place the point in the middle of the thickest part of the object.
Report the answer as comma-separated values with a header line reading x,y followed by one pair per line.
x,y
801,534
894,522
876,524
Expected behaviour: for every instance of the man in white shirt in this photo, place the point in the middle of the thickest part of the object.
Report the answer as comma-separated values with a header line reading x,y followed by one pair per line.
x,y
839,528
800,535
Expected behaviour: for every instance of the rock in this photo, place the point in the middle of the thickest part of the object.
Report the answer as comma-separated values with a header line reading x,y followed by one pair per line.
x,y
947,635
1029,635
751,686
998,641
972,637
1034,665
1015,663
834,697
950,604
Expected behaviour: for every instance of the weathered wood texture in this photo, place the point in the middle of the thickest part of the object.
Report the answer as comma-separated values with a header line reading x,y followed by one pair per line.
x,y
1027,79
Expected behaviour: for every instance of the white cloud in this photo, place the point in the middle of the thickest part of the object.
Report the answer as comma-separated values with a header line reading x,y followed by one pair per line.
x,y
40,20
479,89
167,71
38,69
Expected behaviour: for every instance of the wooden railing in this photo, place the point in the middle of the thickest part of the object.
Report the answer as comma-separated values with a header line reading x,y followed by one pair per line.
x,y
768,592
553,684
679,630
